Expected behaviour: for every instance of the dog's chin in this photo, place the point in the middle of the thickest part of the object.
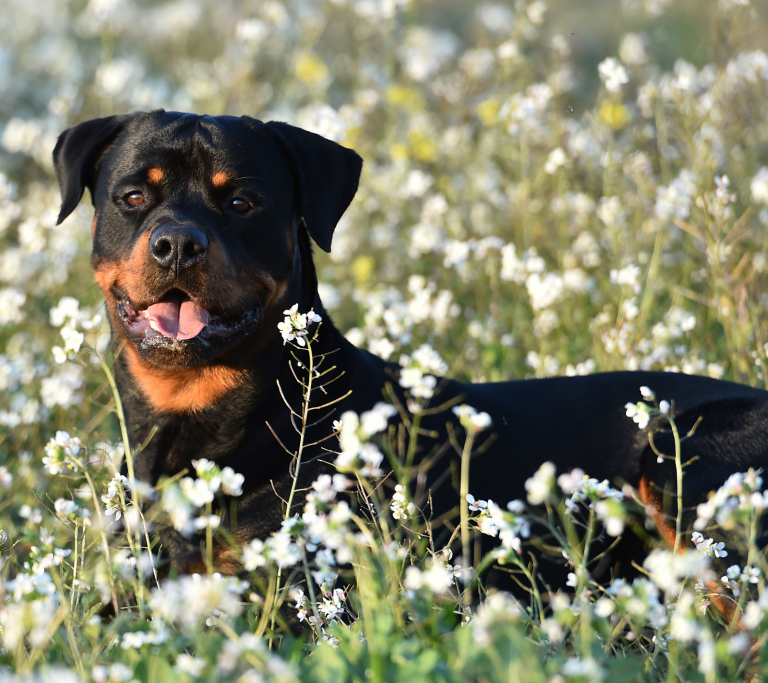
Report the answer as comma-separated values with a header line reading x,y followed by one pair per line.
x,y
215,341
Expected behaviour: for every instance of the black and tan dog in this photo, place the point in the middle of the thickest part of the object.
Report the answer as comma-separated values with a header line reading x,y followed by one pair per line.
x,y
201,240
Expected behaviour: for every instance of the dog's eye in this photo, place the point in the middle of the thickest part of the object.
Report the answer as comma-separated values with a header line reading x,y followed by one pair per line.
x,y
239,205
135,198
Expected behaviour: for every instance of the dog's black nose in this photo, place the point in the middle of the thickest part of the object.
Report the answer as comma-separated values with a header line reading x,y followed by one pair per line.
x,y
178,246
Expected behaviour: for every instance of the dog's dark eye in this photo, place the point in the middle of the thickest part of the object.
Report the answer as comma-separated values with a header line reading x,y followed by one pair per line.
x,y
135,198
239,205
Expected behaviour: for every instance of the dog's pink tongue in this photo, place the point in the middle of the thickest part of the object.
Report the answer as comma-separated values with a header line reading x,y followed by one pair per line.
x,y
177,319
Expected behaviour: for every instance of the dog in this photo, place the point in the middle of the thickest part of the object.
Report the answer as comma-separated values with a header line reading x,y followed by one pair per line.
x,y
202,238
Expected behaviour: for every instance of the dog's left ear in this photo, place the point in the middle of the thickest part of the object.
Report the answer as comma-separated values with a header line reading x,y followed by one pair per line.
x,y
77,154
329,175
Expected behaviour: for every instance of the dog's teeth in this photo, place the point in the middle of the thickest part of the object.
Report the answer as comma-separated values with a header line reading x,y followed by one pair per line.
x,y
154,326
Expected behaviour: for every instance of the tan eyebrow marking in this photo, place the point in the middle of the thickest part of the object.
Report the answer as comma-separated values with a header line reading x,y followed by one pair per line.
x,y
220,178
155,175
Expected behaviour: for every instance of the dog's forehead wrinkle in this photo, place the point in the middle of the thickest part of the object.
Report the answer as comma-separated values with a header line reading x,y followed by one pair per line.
x,y
202,150
243,178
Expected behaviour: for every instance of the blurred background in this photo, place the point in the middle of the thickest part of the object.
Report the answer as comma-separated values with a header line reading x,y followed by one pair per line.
x,y
543,190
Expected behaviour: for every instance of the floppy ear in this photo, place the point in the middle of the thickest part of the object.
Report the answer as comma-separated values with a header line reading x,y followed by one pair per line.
x,y
77,154
328,174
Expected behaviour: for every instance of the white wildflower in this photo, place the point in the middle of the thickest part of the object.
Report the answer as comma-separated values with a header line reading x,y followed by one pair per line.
x,y
61,452
64,508
556,159
759,186
231,482
541,485
253,555
632,50
401,507
640,413
188,664
295,325
613,74
470,419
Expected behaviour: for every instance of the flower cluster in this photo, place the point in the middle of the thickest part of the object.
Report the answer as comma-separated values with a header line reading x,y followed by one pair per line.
x,y
190,600
641,413
61,453
115,497
295,327
182,500
419,370
541,485
640,602
708,546
668,570
401,507
68,315
736,502
279,548
356,452
508,526
737,578
438,577
580,489
470,419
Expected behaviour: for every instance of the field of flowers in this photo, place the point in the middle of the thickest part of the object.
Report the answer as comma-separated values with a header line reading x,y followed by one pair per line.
x,y
549,188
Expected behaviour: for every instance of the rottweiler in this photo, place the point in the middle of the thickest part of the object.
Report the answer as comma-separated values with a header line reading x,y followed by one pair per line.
x,y
202,238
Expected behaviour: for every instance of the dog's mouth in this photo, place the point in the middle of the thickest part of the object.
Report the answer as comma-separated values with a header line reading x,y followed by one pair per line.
x,y
177,317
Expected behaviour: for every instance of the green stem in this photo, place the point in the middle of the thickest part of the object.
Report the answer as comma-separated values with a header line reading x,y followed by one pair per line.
x,y
128,460
120,416
679,472
208,541
672,676
464,507
311,591
74,570
105,542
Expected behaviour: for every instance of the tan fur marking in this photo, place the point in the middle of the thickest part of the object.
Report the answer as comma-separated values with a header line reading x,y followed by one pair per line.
x,y
155,175
182,390
653,504
139,252
275,288
93,225
137,270
280,287
651,497
225,562
133,274
722,602
220,178
106,276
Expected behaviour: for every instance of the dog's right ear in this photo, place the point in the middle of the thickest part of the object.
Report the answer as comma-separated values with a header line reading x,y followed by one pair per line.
x,y
76,157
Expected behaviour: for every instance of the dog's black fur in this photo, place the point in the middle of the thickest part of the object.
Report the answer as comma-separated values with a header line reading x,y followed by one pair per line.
x,y
220,211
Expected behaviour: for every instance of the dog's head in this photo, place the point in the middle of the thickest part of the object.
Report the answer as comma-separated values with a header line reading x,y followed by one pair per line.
x,y
197,227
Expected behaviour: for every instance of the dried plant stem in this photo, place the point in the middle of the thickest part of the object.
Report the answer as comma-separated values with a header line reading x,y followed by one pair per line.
x,y
302,435
294,482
